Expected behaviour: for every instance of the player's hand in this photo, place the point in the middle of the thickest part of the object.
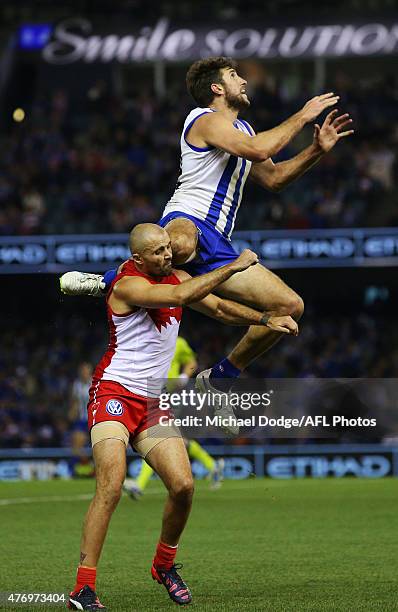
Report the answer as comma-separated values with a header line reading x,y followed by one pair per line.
x,y
325,137
284,324
317,105
246,259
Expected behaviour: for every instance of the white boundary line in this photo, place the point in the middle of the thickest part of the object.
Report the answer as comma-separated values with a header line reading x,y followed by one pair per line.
x,y
50,498
58,498
82,497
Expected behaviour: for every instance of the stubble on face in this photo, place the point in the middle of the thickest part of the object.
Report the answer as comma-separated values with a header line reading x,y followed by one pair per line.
x,y
239,102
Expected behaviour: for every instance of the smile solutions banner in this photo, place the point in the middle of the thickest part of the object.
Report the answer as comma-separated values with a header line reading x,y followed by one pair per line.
x,y
80,40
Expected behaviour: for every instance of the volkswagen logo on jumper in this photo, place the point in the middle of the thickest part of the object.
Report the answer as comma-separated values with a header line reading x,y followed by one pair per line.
x,y
114,408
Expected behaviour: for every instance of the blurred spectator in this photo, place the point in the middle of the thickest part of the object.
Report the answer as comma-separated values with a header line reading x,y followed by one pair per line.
x,y
79,397
107,163
82,465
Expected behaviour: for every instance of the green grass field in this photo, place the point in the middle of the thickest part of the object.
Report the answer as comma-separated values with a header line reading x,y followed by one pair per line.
x,y
253,545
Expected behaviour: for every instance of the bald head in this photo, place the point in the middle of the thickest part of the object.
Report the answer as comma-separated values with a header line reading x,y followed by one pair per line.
x,y
151,249
146,235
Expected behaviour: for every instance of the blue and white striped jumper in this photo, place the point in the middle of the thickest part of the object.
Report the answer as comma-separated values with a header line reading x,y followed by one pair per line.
x,y
211,181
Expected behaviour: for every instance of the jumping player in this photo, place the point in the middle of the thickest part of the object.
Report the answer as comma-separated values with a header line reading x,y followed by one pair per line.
x,y
144,306
219,152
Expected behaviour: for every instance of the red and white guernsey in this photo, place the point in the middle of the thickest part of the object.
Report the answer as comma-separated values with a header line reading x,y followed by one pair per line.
x,y
141,343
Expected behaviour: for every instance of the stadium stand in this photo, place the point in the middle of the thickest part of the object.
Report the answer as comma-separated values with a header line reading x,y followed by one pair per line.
x,y
114,163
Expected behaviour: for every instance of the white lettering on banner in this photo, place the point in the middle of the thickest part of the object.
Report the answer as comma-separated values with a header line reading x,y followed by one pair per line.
x,y
124,49
264,49
243,43
366,466
158,34
236,467
369,39
177,44
74,41
311,248
93,47
343,43
325,37
385,246
28,470
287,47
392,39
67,47
137,51
214,43
31,254
75,253
358,246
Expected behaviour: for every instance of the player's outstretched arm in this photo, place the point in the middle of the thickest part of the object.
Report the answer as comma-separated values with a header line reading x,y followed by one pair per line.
x,y
213,129
137,291
277,176
233,313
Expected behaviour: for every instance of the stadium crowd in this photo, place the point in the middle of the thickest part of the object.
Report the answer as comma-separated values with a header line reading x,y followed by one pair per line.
x,y
114,163
40,363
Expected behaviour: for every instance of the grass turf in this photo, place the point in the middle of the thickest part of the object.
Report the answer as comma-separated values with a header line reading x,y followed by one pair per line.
x,y
254,545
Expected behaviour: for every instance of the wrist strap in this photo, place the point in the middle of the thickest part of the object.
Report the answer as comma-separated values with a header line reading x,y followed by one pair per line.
x,y
264,319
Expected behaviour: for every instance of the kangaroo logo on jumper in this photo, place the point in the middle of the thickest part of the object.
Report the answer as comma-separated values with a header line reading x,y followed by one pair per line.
x,y
114,408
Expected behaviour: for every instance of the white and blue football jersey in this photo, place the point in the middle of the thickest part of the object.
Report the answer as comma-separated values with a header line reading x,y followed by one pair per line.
x,y
211,181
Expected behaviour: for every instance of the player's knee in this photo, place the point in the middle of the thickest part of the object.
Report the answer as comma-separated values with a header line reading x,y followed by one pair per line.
x,y
182,490
183,246
112,496
296,307
292,305
110,493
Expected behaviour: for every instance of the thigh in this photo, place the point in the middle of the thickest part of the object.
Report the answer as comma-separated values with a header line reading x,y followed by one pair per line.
x,y
180,225
257,287
110,462
170,461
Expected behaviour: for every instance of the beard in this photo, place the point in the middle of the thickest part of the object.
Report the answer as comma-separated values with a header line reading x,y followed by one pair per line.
x,y
236,101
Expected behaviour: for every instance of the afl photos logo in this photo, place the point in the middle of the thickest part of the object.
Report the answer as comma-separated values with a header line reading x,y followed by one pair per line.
x,y
114,407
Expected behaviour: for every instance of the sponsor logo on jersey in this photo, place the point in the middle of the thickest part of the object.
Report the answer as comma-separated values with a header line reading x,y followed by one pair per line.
x,y
114,407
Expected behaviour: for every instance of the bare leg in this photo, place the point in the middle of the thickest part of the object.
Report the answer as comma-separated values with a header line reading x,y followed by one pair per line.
x,y
110,466
170,460
184,237
256,287
253,344
263,290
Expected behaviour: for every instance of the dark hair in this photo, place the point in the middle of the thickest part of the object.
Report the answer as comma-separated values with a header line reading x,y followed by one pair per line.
x,y
202,74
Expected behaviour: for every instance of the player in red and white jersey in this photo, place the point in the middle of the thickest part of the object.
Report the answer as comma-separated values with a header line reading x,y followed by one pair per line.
x,y
142,341
144,306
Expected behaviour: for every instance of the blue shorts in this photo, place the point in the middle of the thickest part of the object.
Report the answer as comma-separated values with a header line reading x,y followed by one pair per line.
x,y
214,250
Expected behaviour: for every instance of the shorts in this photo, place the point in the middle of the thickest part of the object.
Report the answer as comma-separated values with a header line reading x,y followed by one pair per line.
x,y
214,250
137,418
